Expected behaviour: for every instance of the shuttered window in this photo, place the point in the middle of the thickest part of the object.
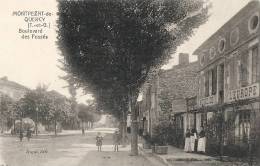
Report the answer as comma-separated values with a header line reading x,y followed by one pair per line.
x,y
207,84
254,64
243,71
214,80
244,125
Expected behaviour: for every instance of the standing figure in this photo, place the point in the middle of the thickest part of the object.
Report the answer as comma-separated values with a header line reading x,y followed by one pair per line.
x,y
116,139
187,147
21,135
193,138
83,131
28,134
99,140
202,141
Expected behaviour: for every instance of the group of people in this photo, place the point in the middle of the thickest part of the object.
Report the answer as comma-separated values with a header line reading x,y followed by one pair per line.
x,y
28,135
195,142
116,141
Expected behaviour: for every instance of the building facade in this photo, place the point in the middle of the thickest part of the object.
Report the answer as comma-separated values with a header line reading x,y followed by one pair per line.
x,y
228,95
12,89
166,96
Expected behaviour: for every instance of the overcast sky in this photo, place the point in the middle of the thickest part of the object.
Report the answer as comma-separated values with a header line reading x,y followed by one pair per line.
x,y
30,62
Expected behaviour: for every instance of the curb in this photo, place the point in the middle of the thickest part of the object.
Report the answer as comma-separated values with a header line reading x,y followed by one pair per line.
x,y
156,157
169,161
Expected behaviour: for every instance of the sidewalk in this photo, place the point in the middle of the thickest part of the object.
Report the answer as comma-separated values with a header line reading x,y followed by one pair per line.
x,y
176,155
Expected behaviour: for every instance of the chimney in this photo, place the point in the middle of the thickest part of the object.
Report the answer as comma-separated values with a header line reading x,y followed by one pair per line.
x,y
183,58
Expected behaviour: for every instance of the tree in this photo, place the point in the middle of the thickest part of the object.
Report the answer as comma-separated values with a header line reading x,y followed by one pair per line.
x,y
35,105
116,44
6,111
84,116
59,108
87,114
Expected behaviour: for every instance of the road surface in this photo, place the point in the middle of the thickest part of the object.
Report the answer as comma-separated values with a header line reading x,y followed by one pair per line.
x,y
73,150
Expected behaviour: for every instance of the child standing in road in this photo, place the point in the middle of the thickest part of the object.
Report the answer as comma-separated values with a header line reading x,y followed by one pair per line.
x,y
116,138
99,140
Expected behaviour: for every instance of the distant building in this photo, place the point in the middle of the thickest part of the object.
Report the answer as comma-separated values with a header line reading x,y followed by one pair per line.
x,y
229,77
12,89
166,94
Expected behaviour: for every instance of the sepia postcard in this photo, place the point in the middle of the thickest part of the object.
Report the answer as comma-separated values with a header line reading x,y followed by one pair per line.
x,y
130,83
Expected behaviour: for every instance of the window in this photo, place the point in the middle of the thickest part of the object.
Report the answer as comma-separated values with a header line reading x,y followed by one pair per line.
x,y
202,85
221,83
221,77
212,53
254,64
214,80
234,37
227,76
244,125
207,84
253,23
221,45
243,71
202,60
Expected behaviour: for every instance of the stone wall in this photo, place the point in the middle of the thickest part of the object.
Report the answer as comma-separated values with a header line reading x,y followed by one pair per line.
x,y
177,84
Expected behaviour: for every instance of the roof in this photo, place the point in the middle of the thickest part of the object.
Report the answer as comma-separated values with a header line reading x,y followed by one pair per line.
x,y
5,82
229,24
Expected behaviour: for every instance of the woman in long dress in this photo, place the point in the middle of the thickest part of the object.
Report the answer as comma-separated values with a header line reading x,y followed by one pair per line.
x,y
202,141
187,147
193,138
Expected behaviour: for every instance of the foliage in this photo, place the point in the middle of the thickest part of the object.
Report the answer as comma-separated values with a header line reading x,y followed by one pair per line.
x,y
161,132
6,110
165,101
84,113
59,107
43,106
33,105
113,45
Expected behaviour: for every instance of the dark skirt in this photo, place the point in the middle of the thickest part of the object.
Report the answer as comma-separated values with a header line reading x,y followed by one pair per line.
x,y
99,143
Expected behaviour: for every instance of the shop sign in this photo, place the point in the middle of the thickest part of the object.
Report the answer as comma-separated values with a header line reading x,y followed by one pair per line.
x,y
208,101
243,93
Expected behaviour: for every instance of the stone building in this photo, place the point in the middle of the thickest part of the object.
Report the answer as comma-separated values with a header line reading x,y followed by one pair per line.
x,y
12,89
166,94
228,96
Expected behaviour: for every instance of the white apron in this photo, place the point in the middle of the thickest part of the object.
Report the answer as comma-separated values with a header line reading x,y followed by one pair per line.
x,y
202,144
187,147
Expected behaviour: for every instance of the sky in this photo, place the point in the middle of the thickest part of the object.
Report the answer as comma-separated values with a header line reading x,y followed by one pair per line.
x,y
31,62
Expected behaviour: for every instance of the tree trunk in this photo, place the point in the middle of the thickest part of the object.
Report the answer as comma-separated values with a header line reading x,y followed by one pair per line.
x,y
83,127
134,127
123,128
55,127
88,125
36,128
14,125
